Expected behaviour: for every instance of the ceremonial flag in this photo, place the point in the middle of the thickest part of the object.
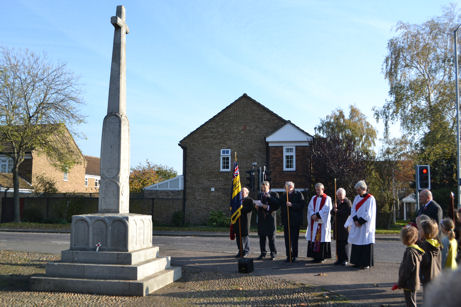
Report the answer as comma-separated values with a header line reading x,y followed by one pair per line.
x,y
236,198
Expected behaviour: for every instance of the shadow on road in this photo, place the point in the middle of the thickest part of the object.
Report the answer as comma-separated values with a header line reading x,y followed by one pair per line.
x,y
355,285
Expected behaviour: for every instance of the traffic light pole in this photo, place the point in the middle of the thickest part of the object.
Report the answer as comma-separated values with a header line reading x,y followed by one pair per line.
x,y
458,169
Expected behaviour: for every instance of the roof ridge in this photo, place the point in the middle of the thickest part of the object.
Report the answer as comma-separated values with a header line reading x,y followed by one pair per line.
x,y
244,95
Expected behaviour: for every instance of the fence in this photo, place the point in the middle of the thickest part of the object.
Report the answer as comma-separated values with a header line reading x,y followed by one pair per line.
x,y
59,208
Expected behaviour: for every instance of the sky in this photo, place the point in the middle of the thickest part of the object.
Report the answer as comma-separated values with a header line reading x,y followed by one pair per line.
x,y
189,59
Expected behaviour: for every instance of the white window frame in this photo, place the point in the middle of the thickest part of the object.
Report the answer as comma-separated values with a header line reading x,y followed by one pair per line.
x,y
225,154
7,162
287,154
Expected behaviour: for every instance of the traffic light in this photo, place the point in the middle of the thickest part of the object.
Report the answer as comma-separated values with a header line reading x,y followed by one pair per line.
x,y
423,177
250,180
267,175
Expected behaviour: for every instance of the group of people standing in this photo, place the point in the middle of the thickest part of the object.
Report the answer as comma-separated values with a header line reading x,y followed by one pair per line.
x,y
353,223
432,246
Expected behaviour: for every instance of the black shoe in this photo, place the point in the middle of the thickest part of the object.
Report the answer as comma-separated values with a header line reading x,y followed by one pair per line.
x,y
260,257
288,259
338,263
272,256
365,267
344,263
293,259
238,255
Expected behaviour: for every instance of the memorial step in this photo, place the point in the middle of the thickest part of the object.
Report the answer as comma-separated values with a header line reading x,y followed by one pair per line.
x,y
107,271
141,287
110,257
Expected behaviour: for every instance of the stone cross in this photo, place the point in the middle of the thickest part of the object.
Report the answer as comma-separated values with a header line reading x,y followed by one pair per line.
x,y
114,191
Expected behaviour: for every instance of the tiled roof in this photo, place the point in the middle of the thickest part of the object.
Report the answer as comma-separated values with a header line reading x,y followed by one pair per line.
x,y
92,166
6,181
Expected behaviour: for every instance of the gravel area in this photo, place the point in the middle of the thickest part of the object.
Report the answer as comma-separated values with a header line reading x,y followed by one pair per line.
x,y
196,287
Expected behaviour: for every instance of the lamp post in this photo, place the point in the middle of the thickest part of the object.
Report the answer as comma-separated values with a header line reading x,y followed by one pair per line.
x,y
458,164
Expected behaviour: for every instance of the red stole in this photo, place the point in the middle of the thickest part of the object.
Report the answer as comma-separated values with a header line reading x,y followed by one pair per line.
x,y
318,234
360,203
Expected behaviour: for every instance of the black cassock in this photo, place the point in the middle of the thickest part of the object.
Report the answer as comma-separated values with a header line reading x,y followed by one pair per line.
x,y
296,219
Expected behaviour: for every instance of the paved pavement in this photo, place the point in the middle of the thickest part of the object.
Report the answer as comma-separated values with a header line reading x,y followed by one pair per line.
x,y
216,253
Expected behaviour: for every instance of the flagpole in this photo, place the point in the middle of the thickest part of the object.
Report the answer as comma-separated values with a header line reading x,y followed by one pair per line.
x,y
336,223
288,216
240,222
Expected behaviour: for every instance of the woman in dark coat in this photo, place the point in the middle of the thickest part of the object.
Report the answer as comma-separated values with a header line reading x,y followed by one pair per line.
x,y
340,213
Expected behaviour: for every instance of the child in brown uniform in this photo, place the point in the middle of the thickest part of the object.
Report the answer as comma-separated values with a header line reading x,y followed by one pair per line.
x,y
409,268
431,263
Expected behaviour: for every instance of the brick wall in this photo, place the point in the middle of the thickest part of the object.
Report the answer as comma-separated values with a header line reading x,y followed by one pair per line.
x,y
41,165
241,127
91,188
301,177
165,204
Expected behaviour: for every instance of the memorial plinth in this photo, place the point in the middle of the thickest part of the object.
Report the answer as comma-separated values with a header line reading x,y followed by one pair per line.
x,y
111,252
114,232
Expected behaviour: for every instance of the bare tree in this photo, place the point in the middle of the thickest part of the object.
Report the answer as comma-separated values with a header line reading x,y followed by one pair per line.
x,y
37,101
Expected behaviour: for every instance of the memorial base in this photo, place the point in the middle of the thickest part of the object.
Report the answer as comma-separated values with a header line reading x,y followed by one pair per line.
x,y
124,263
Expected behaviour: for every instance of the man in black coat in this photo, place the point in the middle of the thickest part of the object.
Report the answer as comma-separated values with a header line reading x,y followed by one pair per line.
x,y
245,217
266,207
340,212
429,207
296,206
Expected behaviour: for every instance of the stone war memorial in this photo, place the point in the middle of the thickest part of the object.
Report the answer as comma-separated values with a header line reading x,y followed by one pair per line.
x,y
111,252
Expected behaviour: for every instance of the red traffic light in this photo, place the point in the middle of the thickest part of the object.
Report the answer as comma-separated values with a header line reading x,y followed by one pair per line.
x,y
424,170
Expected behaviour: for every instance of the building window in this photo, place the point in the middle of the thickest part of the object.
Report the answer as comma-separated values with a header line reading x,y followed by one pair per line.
x,y
289,158
96,183
225,160
86,181
6,164
66,176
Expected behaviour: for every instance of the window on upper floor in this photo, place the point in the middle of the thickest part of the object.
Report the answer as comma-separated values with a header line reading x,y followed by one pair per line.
x,y
96,183
86,181
225,160
66,175
6,164
289,158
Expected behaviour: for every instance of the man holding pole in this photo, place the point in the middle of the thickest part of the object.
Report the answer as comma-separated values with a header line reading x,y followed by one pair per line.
x,y
318,233
292,206
244,221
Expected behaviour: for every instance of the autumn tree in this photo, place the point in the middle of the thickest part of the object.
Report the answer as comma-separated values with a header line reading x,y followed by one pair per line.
x,y
419,68
390,173
146,174
343,148
36,99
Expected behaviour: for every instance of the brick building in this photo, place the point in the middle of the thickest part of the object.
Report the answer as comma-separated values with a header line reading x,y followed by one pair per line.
x,y
258,136
38,166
